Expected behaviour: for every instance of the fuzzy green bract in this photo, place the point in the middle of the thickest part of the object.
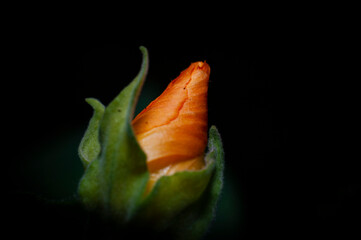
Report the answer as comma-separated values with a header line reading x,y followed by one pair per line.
x,y
114,181
89,146
181,205
194,221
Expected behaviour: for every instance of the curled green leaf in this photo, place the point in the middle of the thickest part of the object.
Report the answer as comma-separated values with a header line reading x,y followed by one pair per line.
x,y
194,222
115,181
89,147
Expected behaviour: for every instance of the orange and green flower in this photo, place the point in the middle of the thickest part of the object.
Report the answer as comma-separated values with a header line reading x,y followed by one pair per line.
x,y
155,169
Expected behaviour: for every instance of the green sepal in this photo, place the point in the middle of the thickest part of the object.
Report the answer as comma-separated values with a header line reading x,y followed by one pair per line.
x,y
194,222
89,147
183,204
114,182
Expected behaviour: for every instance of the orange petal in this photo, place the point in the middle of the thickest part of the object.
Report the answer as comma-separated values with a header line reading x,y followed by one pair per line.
x,y
173,128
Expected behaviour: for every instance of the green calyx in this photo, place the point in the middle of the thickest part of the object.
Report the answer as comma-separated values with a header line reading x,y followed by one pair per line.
x,y
116,173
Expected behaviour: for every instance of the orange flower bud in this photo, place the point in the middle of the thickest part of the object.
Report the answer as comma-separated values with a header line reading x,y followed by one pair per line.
x,y
172,130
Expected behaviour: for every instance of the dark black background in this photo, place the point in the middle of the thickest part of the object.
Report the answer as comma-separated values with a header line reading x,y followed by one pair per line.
x,y
272,96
